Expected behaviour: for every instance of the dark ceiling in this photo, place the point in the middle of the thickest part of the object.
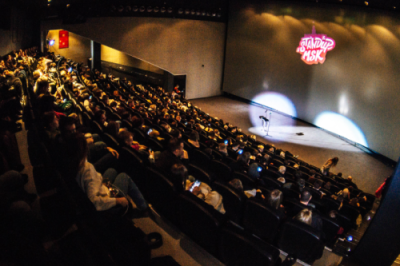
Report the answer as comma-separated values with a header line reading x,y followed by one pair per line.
x,y
215,10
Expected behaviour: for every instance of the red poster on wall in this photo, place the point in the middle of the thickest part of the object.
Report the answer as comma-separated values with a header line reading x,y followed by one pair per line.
x,y
63,39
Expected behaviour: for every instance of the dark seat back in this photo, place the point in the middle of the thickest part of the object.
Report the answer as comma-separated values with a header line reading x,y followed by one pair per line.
x,y
272,183
350,212
221,170
161,193
96,128
200,221
261,220
132,164
240,248
154,144
301,240
111,141
248,182
199,174
200,158
233,202
293,206
271,173
330,229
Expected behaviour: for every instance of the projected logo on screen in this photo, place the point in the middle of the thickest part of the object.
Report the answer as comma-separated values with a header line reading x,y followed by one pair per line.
x,y
313,47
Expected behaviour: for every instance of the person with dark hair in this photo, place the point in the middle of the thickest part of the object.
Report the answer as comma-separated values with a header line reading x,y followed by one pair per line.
x,y
101,118
332,162
316,188
176,133
179,176
173,155
237,185
242,163
92,182
51,126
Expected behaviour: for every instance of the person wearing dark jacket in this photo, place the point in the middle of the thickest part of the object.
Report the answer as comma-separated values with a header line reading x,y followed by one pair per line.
x,y
173,155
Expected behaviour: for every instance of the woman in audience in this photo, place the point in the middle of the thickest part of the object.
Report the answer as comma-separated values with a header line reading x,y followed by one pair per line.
x,y
92,182
304,216
275,200
332,162
213,198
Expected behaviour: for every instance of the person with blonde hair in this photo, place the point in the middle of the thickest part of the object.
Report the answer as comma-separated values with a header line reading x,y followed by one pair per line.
x,y
332,162
304,216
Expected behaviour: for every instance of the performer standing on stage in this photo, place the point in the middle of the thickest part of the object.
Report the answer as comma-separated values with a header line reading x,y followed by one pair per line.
x,y
332,162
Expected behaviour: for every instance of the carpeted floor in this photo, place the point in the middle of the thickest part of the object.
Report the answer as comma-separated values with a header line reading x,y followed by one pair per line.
x,y
315,146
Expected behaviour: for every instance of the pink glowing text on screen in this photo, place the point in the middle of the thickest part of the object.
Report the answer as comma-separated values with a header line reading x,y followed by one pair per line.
x,y
313,47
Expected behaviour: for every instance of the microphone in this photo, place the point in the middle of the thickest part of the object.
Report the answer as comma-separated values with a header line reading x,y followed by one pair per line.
x,y
264,118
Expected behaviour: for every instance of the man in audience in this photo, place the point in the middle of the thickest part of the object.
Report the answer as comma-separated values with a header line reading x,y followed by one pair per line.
x,y
242,163
305,200
173,155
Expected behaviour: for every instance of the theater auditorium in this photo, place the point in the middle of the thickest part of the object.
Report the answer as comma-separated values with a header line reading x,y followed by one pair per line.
x,y
224,132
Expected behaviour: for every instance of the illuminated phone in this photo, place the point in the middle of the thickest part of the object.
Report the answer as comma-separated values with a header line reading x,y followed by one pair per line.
x,y
259,169
226,142
150,130
64,100
240,151
90,97
195,184
252,157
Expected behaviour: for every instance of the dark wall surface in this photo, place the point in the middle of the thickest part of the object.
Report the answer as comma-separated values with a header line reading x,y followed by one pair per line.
x,y
356,88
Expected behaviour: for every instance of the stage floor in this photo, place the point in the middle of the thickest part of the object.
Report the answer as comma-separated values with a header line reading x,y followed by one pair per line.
x,y
315,146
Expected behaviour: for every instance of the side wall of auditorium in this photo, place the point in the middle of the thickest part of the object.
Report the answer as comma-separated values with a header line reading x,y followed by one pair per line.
x,y
191,47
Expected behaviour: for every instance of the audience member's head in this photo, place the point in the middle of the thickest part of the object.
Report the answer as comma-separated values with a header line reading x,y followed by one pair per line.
x,y
317,184
237,185
100,117
253,171
176,146
304,216
67,126
305,197
275,199
282,169
50,121
126,137
180,171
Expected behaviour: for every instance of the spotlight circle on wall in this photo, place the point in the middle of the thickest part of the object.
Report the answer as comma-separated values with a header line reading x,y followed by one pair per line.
x,y
187,11
163,9
156,9
193,12
198,12
180,11
203,13
135,8
170,10
142,9
149,9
